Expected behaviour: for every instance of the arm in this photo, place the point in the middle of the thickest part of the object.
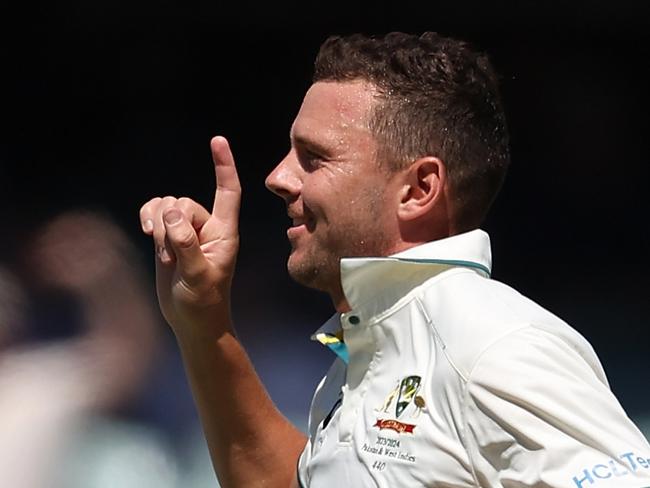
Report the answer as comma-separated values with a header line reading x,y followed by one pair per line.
x,y
540,413
250,442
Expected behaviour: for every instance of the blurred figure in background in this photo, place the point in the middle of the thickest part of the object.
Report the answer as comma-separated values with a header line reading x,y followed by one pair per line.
x,y
73,358
12,307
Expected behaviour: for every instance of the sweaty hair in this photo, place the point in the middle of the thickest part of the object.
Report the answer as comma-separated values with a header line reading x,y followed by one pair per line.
x,y
436,97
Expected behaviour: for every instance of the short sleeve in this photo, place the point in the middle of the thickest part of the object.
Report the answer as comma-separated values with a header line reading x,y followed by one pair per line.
x,y
539,413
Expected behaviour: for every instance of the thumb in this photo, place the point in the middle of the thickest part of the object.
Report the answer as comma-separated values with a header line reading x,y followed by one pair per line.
x,y
191,262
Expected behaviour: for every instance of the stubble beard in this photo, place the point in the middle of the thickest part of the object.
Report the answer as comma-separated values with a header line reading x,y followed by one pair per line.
x,y
317,264
312,269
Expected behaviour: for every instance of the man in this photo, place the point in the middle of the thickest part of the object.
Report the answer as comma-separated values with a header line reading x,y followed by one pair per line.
x,y
443,377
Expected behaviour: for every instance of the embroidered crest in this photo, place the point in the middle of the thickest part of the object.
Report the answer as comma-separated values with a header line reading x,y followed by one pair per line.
x,y
403,394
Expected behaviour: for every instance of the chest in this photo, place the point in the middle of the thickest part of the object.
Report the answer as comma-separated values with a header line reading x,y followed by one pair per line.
x,y
394,417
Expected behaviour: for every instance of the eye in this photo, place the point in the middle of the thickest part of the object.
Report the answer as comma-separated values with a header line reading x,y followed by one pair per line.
x,y
309,159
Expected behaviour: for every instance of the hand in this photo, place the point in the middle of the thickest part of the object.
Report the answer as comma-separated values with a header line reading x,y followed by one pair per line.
x,y
196,250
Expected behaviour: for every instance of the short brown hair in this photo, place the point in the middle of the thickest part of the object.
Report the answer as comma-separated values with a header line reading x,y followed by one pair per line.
x,y
438,97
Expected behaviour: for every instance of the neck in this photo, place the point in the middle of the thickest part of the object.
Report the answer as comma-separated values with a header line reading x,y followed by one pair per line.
x,y
338,299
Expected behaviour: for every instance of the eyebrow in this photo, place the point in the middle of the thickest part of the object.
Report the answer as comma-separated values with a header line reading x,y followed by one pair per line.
x,y
309,144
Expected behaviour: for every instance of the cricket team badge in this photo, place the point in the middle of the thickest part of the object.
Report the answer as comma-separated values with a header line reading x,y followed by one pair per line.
x,y
397,402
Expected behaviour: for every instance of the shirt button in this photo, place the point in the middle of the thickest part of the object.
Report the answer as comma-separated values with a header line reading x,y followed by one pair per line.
x,y
354,319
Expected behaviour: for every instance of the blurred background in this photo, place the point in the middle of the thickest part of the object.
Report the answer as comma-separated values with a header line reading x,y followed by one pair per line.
x,y
105,104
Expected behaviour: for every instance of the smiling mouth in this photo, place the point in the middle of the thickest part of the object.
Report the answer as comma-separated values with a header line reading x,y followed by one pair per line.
x,y
303,224
299,216
300,222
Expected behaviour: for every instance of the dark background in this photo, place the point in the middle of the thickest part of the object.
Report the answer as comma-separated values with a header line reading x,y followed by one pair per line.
x,y
105,104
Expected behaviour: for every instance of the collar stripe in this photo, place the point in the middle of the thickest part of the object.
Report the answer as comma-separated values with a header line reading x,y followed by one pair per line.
x,y
450,262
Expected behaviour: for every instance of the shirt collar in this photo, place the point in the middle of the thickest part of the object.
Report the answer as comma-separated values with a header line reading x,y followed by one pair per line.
x,y
386,279
374,284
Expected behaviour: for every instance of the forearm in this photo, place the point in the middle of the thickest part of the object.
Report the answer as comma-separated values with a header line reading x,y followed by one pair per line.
x,y
250,442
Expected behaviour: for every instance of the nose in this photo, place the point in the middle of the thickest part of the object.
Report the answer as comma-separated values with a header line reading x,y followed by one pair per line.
x,y
285,180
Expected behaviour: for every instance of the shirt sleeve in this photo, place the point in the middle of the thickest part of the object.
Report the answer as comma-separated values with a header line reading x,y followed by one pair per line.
x,y
539,413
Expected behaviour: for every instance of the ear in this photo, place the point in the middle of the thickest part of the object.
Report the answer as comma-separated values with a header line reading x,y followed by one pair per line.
x,y
423,188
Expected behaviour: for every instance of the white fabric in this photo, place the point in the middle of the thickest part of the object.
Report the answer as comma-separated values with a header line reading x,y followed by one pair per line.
x,y
508,394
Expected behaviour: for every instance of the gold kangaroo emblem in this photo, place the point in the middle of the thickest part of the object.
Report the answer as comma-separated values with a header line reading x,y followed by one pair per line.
x,y
389,399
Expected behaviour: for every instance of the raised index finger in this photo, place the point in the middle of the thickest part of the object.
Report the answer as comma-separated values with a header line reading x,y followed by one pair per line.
x,y
228,195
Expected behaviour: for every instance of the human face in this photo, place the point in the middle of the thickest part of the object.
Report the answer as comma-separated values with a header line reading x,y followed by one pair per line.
x,y
340,200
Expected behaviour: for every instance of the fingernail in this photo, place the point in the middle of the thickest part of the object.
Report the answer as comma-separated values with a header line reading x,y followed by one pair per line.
x,y
163,255
172,216
147,225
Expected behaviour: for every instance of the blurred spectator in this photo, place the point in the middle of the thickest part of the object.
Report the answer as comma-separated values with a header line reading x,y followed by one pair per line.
x,y
93,338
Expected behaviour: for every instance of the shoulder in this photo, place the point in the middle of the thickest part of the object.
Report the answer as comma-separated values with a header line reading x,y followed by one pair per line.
x,y
534,401
480,319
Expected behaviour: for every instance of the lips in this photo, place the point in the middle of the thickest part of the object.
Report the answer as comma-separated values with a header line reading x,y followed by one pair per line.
x,y
299,223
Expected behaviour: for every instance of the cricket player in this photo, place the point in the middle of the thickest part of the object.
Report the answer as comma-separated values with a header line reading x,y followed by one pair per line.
x,y
441,376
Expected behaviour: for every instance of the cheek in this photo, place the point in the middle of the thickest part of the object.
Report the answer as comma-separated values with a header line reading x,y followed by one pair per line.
x,y
325,196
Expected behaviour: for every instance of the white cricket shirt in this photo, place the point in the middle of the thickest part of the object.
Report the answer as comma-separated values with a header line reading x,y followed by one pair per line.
x,y
446,378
